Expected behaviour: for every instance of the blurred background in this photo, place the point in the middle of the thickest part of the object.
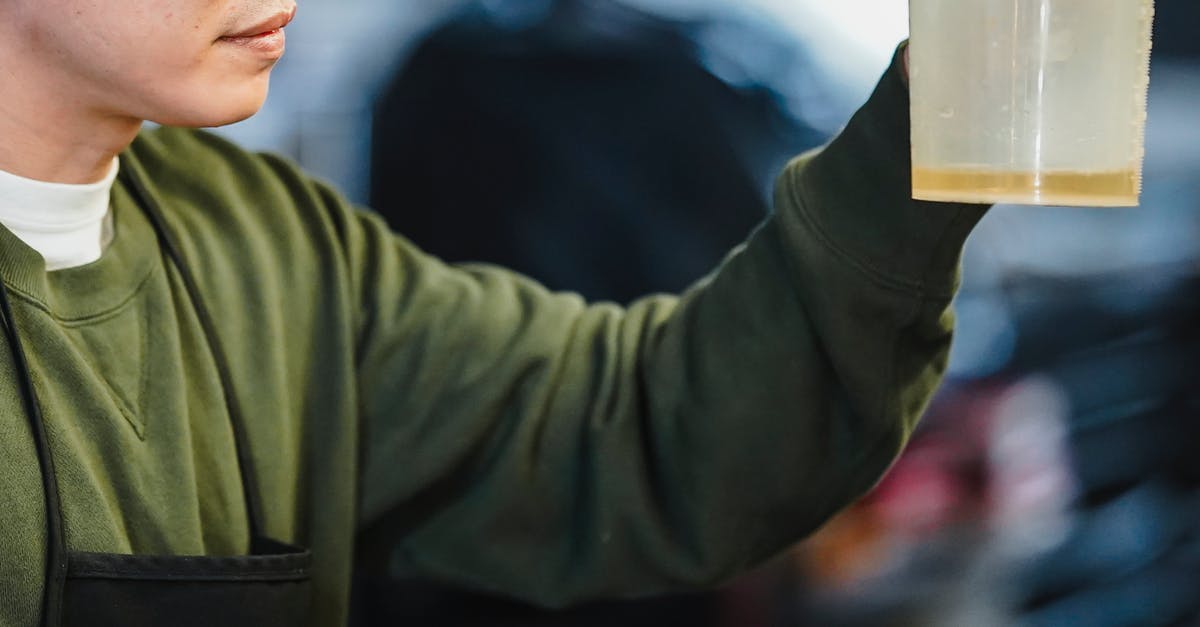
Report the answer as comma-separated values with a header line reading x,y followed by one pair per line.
x,y
620,147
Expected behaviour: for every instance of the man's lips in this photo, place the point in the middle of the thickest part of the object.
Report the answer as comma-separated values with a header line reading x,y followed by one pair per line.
x,y
265,27
265,38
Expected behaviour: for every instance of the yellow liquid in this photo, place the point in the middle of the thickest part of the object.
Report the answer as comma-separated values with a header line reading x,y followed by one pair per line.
x,y
1083,189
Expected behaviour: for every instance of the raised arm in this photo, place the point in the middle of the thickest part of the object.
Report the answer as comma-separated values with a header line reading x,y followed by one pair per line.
x,y
526,443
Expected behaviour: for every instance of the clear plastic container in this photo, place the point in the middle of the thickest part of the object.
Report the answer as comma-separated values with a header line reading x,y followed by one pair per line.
x,y
1037,102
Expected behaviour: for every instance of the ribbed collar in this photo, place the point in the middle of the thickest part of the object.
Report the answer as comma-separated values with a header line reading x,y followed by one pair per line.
x,y
63,222
75,294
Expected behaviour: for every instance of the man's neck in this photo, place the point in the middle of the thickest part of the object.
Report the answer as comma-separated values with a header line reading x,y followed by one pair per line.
x,y
46,137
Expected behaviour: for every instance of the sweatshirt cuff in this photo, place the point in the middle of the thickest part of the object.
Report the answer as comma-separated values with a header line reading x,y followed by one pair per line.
x,y
856,196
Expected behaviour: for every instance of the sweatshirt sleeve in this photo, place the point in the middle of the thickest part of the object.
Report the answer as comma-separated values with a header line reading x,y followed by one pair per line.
x,y
526,443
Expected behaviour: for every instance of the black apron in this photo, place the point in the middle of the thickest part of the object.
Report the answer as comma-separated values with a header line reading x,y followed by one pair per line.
x,y
270,586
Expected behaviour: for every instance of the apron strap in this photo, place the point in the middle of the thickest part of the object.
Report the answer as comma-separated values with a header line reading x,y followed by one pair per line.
x,y
56,545
249,478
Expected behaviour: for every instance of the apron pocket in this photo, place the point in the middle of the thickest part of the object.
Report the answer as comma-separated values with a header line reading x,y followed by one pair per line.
x,y
269,588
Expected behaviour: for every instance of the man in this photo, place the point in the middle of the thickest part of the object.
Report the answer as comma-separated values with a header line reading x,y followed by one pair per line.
x,y
220,366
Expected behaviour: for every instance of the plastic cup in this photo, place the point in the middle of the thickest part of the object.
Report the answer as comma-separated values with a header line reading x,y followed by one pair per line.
x,y
1039,102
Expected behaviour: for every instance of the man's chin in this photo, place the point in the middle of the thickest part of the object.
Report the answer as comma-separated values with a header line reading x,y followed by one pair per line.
x,y
232,119
214,111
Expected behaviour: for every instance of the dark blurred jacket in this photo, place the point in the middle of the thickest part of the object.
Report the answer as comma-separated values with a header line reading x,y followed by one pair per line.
x,y
601,156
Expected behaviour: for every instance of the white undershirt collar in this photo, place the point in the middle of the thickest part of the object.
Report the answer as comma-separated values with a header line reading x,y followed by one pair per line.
x,y
69,225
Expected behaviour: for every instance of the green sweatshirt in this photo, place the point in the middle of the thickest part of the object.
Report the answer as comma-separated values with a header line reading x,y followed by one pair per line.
x,y
460,422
